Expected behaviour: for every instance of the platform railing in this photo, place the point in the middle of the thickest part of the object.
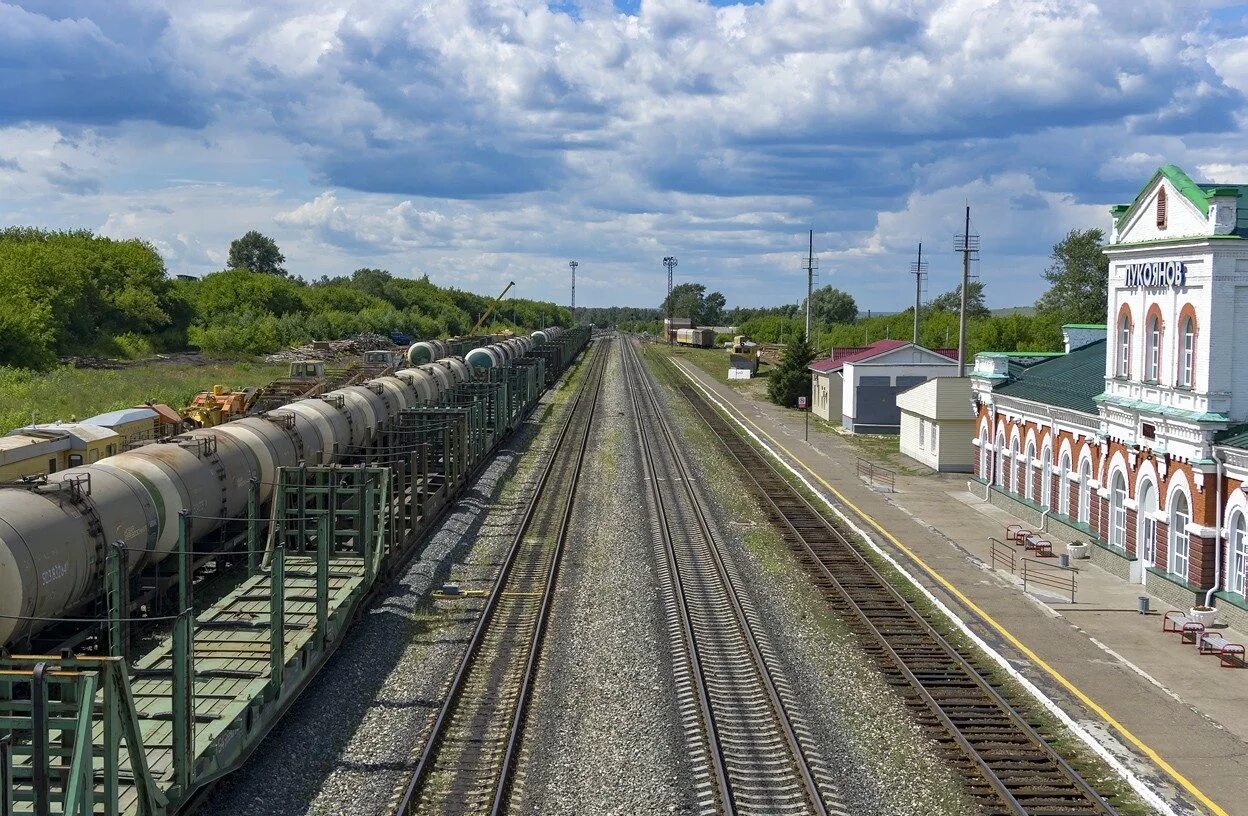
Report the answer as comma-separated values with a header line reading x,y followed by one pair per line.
x,y
1032,571
877,476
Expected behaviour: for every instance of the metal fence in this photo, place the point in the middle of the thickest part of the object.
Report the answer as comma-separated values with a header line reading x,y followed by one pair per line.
x,y
1032,571
880,478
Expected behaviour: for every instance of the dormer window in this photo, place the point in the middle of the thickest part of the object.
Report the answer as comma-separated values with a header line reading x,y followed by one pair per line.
x,y
1161,208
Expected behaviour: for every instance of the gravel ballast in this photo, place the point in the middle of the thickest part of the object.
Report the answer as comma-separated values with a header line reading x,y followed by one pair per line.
x,y
602,735
350,741
882,760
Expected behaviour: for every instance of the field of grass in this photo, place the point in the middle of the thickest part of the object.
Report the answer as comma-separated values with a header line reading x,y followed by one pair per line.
x,y
715,363
66,392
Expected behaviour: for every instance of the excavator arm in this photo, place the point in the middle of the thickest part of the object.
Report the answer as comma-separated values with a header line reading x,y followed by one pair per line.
x,y
490,310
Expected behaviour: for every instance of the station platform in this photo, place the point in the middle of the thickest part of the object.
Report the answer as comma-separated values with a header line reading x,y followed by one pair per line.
x,y
1176,720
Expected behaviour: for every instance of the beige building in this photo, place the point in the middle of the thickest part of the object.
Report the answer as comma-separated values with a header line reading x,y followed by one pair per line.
x,y
938,423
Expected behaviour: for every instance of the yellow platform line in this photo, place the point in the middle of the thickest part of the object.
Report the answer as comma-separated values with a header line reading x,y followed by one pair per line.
x,y
1173,772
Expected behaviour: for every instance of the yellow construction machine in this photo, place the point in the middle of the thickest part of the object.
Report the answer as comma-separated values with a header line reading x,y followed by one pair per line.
x,y
219,405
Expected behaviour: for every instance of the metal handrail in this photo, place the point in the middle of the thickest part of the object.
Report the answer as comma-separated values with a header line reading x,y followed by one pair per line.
x,y
875,474
1032,570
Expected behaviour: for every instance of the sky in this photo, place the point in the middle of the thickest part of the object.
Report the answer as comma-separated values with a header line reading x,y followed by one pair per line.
x,y
482,142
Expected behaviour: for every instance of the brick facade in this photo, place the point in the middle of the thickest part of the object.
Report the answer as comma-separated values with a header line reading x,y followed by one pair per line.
x,y
1108,458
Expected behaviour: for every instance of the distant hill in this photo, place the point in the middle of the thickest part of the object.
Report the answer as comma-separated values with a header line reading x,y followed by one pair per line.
x,y
1028,311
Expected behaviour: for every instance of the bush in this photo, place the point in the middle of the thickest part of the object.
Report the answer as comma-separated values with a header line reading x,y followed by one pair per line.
x,y
133,346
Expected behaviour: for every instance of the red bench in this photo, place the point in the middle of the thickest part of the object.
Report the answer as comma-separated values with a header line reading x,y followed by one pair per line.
x,y
1230,655
1189,631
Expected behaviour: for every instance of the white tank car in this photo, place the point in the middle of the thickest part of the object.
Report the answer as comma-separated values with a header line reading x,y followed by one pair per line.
x,y
54,537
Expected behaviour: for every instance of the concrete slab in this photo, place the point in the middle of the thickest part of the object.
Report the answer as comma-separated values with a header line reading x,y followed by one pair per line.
x,y
1174,718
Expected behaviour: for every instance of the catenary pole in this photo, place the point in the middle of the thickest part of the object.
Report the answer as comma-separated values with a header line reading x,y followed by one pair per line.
x,y
966,279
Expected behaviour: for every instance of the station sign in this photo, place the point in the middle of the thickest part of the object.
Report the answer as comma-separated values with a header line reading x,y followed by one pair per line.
x,y
1157,274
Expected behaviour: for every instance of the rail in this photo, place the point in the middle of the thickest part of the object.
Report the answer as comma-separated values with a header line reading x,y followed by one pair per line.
x,y
1031,570
876,476
745,711
1028,778
518,635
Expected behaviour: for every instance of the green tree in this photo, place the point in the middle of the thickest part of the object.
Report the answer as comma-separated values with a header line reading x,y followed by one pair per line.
x,y
831,306
952,301
713,309
691,300
791,379
1078,279
257,252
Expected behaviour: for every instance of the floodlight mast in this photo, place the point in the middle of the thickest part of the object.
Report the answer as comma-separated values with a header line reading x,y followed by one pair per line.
x,y
670,262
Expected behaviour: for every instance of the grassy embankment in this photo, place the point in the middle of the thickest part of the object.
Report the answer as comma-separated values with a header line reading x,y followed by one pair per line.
x,y
82,392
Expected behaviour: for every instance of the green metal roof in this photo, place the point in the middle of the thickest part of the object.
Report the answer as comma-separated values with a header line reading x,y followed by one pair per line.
x,y
1084,326
1071,381
1233,437
1198,194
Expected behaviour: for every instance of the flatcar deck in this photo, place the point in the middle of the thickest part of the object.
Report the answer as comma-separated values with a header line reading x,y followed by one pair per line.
x,y
232,678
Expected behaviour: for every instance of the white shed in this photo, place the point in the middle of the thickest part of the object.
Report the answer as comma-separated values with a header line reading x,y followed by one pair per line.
x,y
938,424
865,382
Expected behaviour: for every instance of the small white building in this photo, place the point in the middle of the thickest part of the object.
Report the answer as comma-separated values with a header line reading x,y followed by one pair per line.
x,y
862,384
937,424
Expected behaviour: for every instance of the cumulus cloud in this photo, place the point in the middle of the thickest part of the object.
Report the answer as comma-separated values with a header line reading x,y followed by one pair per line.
x,y
84,63
492,138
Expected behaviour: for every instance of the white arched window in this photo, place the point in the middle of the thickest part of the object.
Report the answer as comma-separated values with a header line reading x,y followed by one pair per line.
x,y
1180,545
1152,370
1063,486
1016,467
1187,352
1118,512
1124,346
1029,472
1085,491
1146,525
1000,472
985,455
1239,553
1046,476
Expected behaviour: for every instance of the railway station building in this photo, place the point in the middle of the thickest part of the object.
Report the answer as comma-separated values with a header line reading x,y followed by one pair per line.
x,y
1136,437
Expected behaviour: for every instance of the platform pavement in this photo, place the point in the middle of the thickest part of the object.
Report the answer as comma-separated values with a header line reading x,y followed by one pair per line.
x,y
1183,710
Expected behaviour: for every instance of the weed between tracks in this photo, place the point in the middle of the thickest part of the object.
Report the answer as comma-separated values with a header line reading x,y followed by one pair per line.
x,y
1104,779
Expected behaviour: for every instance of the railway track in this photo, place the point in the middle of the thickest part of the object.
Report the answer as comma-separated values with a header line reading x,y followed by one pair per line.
x,y
469,757
741,719
1010,768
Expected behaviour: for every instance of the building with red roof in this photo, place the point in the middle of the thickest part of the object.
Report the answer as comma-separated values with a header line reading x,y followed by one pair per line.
x,y
859,385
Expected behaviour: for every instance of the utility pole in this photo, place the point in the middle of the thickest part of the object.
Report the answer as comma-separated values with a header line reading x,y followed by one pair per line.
x,y
918,269
967,244
670,263
810,267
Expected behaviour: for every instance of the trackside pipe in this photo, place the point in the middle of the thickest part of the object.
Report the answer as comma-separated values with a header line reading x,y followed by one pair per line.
x,y
1217,533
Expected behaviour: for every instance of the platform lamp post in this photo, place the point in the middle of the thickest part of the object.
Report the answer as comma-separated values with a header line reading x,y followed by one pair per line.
x,y
670,263
573,265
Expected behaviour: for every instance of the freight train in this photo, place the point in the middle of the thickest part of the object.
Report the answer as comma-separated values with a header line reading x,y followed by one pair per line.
x,y
56,530
698,338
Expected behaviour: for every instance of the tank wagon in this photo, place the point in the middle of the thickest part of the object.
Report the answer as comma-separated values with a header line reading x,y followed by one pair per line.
x,y
141,735
56,531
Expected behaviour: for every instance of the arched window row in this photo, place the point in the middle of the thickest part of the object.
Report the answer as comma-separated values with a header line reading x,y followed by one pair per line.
x,y
1154,343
